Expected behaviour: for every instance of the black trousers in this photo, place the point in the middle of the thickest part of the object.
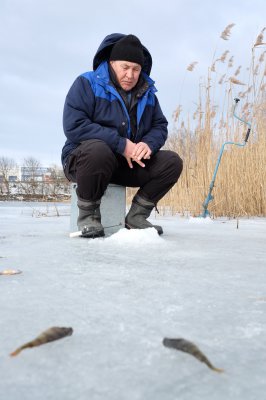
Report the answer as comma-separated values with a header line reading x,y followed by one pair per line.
x,y
93,165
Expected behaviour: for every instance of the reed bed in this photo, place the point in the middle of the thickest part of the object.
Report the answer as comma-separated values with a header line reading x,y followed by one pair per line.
x,y
240,188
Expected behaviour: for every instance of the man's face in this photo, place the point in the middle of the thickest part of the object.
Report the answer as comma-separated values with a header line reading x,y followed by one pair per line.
x,y
127,73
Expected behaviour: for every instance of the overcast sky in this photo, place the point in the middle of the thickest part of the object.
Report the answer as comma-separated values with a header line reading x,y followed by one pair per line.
x,y
46,44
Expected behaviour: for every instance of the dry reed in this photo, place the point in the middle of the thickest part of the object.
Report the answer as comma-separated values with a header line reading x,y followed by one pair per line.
x,y
192,66
227,32
240,186
236,81
259,40
230,62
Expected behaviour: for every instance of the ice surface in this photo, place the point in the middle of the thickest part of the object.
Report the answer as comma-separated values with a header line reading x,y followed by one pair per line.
x,y
202,280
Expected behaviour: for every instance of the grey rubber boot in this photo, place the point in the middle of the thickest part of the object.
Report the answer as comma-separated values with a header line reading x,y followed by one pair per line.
x,y
139,212
89,219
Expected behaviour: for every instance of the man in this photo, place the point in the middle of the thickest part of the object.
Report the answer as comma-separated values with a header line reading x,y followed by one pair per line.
x,y
115,128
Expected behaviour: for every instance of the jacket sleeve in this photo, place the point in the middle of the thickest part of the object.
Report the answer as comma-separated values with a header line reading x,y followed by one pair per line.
x,y
158,133
78,118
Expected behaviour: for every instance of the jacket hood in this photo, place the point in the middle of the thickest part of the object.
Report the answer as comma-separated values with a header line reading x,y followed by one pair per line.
x,y
104,50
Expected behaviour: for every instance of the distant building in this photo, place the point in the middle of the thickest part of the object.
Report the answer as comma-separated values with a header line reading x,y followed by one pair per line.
x,y
27,173
37,174
13,175
47,177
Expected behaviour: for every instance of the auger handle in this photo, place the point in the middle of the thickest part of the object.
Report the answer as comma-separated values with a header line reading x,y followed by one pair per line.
x,y
247,135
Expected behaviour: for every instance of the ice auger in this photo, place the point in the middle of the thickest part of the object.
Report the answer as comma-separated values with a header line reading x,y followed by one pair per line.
x,y
205,212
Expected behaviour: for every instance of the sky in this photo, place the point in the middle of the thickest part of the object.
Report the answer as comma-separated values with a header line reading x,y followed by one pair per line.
x,y
46,44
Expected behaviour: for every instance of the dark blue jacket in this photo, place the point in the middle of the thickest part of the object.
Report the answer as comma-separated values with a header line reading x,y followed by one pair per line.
x,y
95,110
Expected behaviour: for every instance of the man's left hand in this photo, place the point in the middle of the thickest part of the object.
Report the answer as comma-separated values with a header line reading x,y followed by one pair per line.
x,y
141,150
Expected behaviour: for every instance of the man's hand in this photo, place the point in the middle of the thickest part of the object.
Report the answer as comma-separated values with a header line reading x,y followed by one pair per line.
x,y
141,150
129,152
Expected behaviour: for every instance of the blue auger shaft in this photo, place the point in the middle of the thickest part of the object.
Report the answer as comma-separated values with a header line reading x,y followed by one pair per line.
x,y
209,197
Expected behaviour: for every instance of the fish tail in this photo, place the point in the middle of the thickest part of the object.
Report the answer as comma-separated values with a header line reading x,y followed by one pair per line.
x,y
25,346
209,364
204,359
220,370
15,353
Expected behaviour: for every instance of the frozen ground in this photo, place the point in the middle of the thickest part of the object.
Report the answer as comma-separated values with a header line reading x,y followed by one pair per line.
x,y
202,280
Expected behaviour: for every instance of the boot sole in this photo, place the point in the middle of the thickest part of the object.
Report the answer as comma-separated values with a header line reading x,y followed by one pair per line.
x,y
92,235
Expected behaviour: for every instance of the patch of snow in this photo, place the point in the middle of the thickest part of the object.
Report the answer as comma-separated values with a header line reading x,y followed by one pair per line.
x,y
129,237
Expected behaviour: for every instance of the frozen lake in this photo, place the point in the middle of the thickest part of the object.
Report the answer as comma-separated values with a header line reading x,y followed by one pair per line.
x,y
203,280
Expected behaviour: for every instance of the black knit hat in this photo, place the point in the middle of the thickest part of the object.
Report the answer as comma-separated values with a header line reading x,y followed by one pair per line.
x,y
129,48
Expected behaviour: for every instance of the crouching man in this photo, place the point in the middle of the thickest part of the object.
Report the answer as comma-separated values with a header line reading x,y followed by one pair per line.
x,y
115,129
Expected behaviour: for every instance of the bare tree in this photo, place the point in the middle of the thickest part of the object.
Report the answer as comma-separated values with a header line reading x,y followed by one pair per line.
x,y
33,166
57,179
35,181
6,167
56,171
32,176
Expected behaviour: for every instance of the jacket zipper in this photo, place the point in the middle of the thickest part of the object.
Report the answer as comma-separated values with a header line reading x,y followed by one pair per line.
x,y
122,104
